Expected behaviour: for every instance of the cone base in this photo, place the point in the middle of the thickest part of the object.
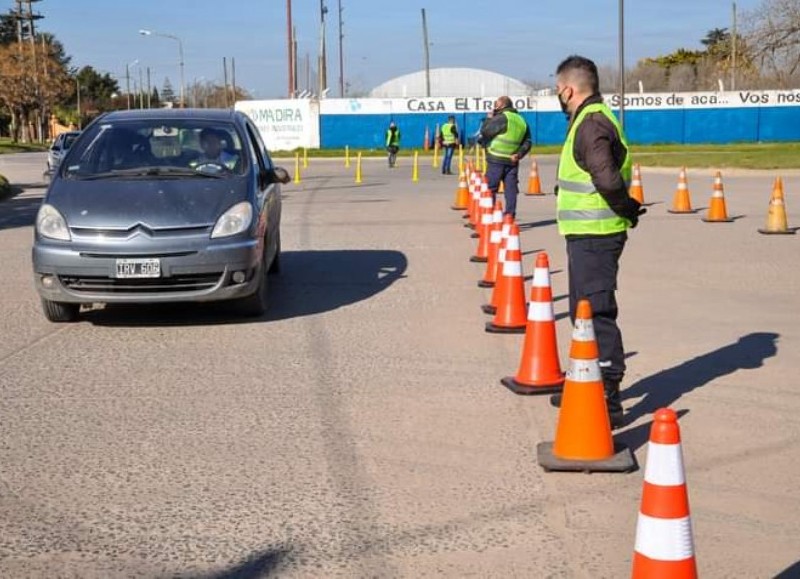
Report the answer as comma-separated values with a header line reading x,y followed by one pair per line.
x,y
770,232
457,208
622,461
492,328
707,220
478,259
469,226
681,212
474,236
465,216
528,389
485,283
489,309
534,194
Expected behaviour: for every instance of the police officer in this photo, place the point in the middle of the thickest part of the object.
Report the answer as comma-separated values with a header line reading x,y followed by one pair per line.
x,y
509,140
392,142
448,138
594,212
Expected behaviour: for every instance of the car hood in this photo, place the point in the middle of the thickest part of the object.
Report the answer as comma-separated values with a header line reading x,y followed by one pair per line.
x,y
158,204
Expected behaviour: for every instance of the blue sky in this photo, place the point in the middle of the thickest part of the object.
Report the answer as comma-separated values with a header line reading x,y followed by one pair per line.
x,y
521,38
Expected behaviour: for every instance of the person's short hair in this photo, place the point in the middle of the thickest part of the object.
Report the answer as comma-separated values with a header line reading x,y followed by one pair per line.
x,y
451,118
581,72
209,132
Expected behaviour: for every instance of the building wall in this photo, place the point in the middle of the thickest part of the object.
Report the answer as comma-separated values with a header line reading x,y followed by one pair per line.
x,y
681,118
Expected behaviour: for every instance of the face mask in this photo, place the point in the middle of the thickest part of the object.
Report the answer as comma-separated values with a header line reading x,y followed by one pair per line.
x,y
563,103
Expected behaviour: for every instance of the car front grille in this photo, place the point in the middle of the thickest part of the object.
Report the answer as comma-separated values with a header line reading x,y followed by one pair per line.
x,y
110,285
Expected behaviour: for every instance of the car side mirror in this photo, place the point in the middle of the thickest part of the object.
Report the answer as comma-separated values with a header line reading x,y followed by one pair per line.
x,y
281,175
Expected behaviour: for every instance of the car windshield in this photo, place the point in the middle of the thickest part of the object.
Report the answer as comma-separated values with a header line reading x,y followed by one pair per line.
x,y
148,147
69,139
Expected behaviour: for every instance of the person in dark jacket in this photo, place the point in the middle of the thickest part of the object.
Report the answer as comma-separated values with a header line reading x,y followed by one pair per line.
x,y
507,138
594,213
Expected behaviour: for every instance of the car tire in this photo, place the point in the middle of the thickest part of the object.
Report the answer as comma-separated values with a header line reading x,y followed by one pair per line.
x,y
60,312
256,304
275,266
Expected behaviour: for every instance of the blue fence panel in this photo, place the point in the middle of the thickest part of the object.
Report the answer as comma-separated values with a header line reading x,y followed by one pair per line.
x,y
779,124
657,126
721,125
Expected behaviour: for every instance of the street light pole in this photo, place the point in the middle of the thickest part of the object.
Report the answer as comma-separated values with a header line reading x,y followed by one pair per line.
x,y
128,66
180,56
78,93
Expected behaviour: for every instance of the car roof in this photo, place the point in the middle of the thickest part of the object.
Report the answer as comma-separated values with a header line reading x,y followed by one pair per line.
x,y
228,115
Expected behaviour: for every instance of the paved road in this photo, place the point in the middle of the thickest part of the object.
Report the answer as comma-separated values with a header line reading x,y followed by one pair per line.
x,y
359,430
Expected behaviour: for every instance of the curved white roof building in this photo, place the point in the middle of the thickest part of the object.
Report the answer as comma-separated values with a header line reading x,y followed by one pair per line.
x,y
445,82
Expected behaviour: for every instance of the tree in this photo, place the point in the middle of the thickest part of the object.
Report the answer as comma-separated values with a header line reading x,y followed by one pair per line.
x,y
25,94
167,94
8,29
774,35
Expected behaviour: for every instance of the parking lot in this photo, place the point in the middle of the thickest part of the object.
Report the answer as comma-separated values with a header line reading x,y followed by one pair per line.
x,y
360,429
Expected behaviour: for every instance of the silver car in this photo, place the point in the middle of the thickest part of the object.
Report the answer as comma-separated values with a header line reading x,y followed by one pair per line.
x,y
59,148
155,206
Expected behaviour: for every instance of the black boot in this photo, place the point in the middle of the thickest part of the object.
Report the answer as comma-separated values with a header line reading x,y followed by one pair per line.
x,y
613,402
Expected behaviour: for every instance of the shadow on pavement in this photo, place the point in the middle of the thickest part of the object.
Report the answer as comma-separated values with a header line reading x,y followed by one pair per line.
x,y
259,566
19,211
637,437
791,572
310,282
664,388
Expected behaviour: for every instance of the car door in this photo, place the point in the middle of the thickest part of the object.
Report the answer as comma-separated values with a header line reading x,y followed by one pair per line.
x,y
268,191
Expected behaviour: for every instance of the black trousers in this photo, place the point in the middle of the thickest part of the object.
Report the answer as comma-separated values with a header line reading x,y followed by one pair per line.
x,y
593,263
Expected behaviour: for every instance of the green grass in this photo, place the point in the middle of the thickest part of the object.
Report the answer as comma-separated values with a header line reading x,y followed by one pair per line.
x,y
6,146
741,155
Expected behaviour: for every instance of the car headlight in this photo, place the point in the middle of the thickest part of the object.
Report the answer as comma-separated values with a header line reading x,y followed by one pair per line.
x,y
235,220
51,224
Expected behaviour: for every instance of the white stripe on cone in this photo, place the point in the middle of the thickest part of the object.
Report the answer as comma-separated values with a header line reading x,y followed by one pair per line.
x,y
664,465
512,269
512,243
583,331
584,371
541,277
541,312
664,539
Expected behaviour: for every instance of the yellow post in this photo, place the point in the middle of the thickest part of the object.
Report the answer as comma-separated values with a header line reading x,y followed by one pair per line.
x,y
347,156
483,158
415,169
358,168
305,158
435,146
297,167
460,159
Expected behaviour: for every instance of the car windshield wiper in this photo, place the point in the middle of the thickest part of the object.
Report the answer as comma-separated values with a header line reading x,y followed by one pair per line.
x,y
145,172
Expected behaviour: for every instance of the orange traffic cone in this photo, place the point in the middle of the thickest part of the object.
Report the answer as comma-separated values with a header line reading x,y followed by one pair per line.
x,y
482,193
462,193
539,370
474,193
583,435
776,215
534,183
426,141
495,236
485,228
717,213
505,233
636,190
502,187
510,316
682,202
664,544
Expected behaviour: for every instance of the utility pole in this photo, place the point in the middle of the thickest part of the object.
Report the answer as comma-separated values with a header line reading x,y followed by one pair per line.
x,y
141,89
149,90
341,54
295,69
290,49
225,77
323,72
233,80
622,63
733,51
426,49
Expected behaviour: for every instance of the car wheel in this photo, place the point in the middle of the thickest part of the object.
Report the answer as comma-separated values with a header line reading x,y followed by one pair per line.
x,y
256,304
59,311
275,266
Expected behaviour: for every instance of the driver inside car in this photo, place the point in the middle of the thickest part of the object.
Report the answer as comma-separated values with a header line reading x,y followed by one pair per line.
x,y
213,153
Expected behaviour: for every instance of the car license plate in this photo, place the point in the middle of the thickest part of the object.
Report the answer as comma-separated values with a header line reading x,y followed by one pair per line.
x,y
144,267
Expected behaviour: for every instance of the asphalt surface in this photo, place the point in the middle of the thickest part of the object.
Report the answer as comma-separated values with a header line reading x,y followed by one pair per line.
x,y
360,430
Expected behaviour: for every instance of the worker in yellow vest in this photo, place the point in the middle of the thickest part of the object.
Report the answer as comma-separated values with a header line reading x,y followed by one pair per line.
x,y
594,213
508,139
448,140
